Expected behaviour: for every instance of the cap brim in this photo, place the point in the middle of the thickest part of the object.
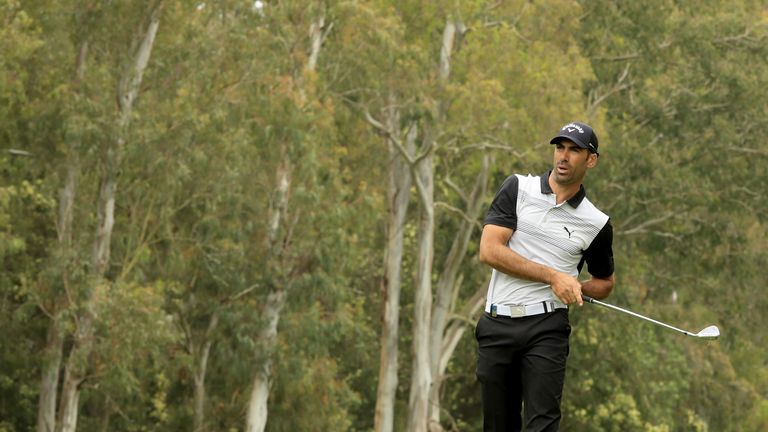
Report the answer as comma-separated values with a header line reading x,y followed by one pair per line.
x,y
556,139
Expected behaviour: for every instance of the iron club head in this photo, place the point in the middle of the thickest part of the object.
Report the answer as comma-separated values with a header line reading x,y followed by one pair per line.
x,y
711,332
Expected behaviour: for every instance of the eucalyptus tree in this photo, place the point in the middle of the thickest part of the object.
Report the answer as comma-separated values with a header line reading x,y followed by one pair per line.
x,y
72,301
195,227
483,120
205,222
445,114
298,33
682,119
129,83
376,78
26,209
240,180
401,141
36,81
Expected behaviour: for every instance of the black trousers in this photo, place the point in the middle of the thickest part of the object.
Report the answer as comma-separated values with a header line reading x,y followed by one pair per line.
x,y
521,364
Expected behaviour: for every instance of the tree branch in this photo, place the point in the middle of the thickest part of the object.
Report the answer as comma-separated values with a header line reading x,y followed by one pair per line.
x,y
460,212
456,189
643,226
618,86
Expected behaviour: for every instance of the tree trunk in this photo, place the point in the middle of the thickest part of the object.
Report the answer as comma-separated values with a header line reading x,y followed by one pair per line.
x,y
421,379
280,203
465,319
106,415
46,411
257,409
447,288
446,50
46,417
53,354
199,378
398,193
316,36
423,172
256,419
75,373
77,362
70,402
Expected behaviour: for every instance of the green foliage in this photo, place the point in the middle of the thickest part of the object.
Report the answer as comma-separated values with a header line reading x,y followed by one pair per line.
x,y
674,89
319,379
612,389
681,138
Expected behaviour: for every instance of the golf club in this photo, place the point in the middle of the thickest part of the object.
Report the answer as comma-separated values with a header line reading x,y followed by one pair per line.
x,y
711,332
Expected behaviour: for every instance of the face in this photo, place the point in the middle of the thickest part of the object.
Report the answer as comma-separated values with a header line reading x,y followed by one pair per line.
x,y
571,163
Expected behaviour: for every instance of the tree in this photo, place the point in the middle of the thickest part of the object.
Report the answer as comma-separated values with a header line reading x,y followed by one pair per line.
x,y
76,364
665,72
281,225
289,178
62,301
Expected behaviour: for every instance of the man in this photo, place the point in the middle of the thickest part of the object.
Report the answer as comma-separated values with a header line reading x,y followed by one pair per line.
x,y
538,233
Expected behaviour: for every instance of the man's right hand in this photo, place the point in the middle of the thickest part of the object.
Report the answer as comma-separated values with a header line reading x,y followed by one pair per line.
x,y
566,287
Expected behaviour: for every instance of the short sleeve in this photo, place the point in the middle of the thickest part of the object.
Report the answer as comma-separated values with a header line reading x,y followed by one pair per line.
x,y
503,209
599,254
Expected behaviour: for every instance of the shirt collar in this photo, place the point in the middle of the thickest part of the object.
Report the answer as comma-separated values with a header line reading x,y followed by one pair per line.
x,y
574,201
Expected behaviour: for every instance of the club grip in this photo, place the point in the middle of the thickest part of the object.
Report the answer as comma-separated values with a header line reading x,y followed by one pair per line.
x,y
587,299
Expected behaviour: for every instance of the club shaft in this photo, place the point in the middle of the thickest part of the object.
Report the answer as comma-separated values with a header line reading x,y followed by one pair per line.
x,y
610,306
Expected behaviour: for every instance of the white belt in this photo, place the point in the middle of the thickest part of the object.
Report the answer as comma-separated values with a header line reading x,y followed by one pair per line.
x,y
518,311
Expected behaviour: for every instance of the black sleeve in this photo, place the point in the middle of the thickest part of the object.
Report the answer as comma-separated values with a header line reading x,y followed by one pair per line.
x,y
503,210
599,254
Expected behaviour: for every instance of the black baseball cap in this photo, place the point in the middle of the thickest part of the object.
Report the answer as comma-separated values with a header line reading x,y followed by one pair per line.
x,y
580,133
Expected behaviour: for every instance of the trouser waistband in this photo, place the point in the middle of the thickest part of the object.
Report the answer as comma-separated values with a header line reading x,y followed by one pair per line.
x,y
518,311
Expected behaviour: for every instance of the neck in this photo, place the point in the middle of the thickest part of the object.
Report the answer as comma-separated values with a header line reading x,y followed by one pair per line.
x,y
563,192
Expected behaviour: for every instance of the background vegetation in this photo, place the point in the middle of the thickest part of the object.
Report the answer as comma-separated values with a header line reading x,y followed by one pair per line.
x,y
196,218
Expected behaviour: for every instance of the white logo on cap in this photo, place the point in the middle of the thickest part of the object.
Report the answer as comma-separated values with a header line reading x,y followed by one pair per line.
x,y
570,127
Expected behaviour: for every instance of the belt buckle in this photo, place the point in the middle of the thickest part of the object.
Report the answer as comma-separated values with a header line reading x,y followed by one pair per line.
x,y
517,311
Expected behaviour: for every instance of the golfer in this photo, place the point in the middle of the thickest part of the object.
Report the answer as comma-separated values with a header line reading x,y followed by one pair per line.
x,y
538,233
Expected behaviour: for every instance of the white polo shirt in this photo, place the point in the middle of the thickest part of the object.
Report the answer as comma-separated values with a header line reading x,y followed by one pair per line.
x,y
560,236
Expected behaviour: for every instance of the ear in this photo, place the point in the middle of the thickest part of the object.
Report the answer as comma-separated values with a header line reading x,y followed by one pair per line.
x,y
591,160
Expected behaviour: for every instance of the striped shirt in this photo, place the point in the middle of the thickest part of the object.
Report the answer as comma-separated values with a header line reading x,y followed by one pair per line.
x,y
560,236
